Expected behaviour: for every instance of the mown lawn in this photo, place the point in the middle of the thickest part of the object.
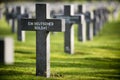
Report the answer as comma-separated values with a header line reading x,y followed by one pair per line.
x,y
93,60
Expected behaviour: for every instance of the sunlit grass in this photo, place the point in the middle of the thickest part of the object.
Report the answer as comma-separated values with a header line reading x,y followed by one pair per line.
x,y
93,60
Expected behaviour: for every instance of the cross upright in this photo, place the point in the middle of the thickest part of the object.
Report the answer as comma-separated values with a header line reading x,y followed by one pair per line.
x,y
89,26
95,20
82,26
43,25
69,31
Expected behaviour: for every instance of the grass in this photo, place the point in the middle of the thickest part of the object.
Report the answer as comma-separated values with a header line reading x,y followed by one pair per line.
x,y
93,60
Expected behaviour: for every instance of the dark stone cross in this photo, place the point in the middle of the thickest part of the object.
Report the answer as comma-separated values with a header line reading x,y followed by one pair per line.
x,y
6,13
95,21
42,25
11,16
14,15
69,29
100,18
20,33
82,26
89,26
1,15
98,22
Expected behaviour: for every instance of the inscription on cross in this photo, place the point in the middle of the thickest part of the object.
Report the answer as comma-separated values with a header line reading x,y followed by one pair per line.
x,y
43,25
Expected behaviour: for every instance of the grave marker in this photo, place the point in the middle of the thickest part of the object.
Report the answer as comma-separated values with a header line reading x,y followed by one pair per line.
x,y
13,15
95,23
89,26
82,25
6,50
6,14
69,29
10,16
1,13
43,25
20,33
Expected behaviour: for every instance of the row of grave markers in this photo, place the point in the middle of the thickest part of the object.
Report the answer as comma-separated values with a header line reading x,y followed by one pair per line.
x,y
43,25
81,36
89,24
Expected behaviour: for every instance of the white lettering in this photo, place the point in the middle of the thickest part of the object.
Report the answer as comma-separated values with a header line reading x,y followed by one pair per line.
x,y
40,28
30,23
44,23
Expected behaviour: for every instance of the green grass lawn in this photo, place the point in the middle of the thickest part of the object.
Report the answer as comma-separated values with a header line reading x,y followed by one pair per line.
x,y
93,60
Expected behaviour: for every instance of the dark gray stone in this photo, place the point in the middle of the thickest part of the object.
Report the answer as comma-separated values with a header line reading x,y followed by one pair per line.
x,y
43,26
69,31
10,16
89,26
1,15
20,33
95,32
69,38
82,25
13,20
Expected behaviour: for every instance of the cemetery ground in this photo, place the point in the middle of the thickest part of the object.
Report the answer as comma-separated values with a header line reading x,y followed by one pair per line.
x,y
93,60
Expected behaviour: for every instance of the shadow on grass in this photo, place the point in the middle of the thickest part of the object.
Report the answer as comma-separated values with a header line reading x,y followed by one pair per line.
x,y
17,69
23,64
23,52
11,74
18,64
97,63
97,75
81,53
12,71
102,67
107,47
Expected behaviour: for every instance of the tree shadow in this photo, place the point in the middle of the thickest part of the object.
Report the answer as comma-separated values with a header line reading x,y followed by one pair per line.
x,y
23,52
18,64
11,74
108,48
101,67
8,71
98,63
81,53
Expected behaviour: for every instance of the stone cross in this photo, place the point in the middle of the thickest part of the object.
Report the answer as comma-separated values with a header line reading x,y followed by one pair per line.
x,y
6,13
95,23
1,15
98,19
89,26
82,26
12,16
43,25
20,33
69,29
